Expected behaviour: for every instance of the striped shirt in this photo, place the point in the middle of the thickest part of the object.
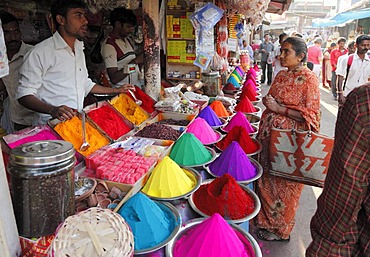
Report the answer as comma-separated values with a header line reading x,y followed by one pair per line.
x,y
341,224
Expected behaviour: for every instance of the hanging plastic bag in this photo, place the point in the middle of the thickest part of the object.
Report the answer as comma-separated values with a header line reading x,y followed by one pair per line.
x,y
202,60
207,16
4,67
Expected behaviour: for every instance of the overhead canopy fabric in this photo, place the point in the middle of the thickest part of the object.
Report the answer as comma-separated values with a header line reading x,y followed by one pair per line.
x,y
342,18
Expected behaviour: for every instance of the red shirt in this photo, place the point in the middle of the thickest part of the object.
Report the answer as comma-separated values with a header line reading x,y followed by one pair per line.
x,y
334,55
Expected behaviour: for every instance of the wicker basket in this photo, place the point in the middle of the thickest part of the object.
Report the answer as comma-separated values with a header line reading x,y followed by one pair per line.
x,y
94,232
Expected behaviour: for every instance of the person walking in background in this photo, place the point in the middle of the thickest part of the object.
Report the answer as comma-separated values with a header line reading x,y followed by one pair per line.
x,y
276,61
341,224
326,66
266,49
334,55
293,101
314,55
15,116
248,48
355,72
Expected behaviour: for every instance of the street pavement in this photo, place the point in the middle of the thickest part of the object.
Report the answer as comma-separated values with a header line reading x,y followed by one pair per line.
x,y
300,237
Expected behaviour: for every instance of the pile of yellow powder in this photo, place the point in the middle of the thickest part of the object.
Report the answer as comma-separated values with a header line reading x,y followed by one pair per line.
x,y
129,109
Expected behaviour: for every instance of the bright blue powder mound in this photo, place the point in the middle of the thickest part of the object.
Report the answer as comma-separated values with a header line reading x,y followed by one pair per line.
x,y
151,223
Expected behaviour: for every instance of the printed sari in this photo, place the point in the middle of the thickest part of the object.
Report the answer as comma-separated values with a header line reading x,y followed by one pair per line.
x,y
297,89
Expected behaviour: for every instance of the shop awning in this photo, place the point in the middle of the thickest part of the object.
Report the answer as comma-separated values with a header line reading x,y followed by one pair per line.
x,y
342,18
278,6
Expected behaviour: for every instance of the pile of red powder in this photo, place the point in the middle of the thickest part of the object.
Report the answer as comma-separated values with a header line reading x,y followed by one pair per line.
x,y
249,92
224,196
240,135
229,86
109,121
245,105
147,102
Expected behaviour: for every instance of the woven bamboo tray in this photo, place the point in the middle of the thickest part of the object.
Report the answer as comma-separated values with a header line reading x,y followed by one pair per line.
x,y
94,232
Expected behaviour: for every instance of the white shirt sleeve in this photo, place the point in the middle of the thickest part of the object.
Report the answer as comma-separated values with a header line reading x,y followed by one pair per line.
x,y
342,65
30,75
109,55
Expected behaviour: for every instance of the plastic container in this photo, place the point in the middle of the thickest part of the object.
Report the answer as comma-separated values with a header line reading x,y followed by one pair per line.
x,y
42,185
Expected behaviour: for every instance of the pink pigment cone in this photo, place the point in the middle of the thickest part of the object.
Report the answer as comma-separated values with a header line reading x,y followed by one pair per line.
x,y
235,162
214,237
239,119
201,130
209,115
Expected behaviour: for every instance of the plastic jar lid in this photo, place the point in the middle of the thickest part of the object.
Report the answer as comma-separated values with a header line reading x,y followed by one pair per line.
x,y
42,153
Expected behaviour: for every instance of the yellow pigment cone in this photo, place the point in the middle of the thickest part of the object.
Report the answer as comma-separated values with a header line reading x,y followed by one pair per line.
x,y
168,180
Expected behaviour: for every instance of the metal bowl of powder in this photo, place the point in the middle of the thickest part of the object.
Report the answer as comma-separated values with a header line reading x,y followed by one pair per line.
x,y
193,223
177,199
170,209
255,163
257,205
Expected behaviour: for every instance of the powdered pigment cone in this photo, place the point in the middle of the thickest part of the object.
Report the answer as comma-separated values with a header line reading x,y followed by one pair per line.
x,y
209,115
169,180
235,162
189,151
201,130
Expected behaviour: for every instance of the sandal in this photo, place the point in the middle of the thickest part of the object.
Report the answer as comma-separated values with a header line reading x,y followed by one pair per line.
x,y
265,235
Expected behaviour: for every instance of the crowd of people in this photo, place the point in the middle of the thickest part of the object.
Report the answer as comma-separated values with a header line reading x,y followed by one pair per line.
x,y
50,80
341,225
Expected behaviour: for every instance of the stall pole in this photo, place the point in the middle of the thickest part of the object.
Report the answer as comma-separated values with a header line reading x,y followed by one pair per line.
x,y
9,240
152,69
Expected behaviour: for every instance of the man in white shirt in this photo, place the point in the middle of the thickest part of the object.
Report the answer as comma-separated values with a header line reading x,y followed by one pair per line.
x,y
358,72
54,78
15,116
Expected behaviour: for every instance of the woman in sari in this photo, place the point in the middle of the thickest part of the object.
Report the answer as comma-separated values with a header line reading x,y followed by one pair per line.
x,y
293,101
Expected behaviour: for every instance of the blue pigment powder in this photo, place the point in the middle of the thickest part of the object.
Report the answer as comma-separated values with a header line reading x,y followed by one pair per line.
x,y
151,223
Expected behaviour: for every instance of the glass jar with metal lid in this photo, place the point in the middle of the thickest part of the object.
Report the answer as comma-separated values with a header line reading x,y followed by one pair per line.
x,y
42,185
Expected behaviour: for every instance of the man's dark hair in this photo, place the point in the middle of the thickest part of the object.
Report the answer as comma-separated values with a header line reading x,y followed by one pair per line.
x,y
361,38
341,39
282,35
122,15
7,17
333,44
61,7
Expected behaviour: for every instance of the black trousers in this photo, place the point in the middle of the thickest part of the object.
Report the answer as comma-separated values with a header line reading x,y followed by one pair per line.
x,y
269,73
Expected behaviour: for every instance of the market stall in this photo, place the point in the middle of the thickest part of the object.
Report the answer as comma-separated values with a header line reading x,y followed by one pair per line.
x,y
157,163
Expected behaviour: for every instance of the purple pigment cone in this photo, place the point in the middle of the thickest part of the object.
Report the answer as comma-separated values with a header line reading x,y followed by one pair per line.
x,y
235,162
239,119
209,115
